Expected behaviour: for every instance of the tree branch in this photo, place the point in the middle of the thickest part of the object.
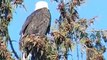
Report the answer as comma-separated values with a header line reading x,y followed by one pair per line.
x,y
12,48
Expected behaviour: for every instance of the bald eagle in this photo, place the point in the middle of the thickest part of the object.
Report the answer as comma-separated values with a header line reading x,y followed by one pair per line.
x,y
37,23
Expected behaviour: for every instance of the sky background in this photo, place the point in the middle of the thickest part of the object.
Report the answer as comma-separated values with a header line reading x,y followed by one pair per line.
x,y
87,10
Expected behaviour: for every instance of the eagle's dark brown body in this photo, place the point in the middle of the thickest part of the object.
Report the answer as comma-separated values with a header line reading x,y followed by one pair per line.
x,y
37,23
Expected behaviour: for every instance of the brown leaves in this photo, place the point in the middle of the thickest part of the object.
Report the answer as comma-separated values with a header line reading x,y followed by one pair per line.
x,y
4,53
68,43
18,1
78,2
2,45
98,57
92,54
53,57
37,41
62,40
9,16
104,35
61,6
58,37
3,5
88,43
75,2
68,27
40,46
91,21
56,34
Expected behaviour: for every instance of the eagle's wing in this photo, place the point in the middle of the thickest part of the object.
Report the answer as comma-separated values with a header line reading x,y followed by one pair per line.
x,y
26,23
40,24
44,26
37,23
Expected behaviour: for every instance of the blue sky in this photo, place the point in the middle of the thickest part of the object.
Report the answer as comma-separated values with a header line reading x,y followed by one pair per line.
x,y
88,10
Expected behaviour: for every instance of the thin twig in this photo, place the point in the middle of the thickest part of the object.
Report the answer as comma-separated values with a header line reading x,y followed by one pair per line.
x,y
12,48
77,53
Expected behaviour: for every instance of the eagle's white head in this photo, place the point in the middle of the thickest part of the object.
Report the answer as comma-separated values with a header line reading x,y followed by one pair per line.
x,y
41,4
